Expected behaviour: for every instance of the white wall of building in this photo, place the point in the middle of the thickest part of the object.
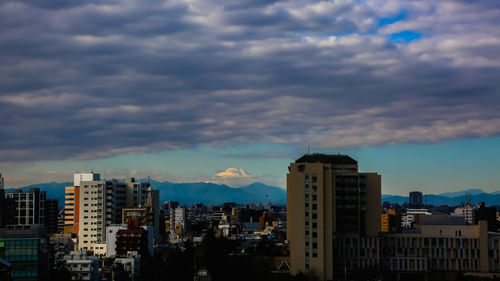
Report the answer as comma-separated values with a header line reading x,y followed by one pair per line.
x,y
79,177
111,238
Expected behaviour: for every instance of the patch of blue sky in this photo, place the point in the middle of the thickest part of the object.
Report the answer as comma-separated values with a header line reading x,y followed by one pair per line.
x,y
405,36
434,167
386,21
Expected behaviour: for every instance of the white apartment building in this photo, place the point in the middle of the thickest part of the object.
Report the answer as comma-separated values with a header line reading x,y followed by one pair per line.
x,y
111,238
111,232
178,217
467,211
81,266
101,204
408,219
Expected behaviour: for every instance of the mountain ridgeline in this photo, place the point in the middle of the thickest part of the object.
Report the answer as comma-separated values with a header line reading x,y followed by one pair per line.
x,y
451,198
211,193
191,193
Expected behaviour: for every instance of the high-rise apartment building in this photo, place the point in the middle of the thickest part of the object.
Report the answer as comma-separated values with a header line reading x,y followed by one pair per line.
x,y
2,183
101,204
328,199
72,201
29,206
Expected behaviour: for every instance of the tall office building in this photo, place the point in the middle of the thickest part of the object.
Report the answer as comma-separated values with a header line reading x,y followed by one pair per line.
x,y
415,199
51,215
29,206
328,201
72,201
2,183
101,204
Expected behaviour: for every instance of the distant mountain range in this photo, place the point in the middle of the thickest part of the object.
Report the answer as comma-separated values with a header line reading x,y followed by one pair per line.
x,y
211,193
190,193
451,198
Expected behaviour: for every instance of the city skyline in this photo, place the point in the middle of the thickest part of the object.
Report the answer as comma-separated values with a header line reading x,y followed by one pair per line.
x,y
233,92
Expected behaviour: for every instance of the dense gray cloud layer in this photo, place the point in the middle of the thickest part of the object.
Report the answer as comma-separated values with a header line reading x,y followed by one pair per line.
x,y
86,79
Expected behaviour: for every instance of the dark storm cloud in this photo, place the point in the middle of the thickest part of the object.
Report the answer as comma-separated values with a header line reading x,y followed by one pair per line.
x,y
86,79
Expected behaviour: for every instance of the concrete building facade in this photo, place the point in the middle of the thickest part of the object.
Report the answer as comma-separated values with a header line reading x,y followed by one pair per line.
x,y
82,266
29,206
71,209
328,199
333,217
72,201
101,204
25,247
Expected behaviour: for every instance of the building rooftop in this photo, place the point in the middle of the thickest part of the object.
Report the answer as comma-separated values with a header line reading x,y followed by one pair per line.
x,y
23,231
328,159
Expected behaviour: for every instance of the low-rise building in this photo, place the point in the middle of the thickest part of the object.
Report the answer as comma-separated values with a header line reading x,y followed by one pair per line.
x,y
131,265
132,239
82,266
26,248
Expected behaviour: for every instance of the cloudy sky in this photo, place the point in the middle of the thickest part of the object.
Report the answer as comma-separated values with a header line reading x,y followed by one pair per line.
x,y
233,91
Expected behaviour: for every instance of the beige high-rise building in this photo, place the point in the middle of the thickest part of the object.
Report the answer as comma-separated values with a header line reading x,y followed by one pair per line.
x,y
328,199
72,201
101,204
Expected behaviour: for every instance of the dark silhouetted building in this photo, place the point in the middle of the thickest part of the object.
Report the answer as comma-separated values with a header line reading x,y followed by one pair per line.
x,y
416,200
489,214
25,247
29,206
132,239
51,215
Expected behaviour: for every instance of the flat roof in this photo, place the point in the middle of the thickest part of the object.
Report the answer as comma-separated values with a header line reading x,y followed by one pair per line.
x,y
326,158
